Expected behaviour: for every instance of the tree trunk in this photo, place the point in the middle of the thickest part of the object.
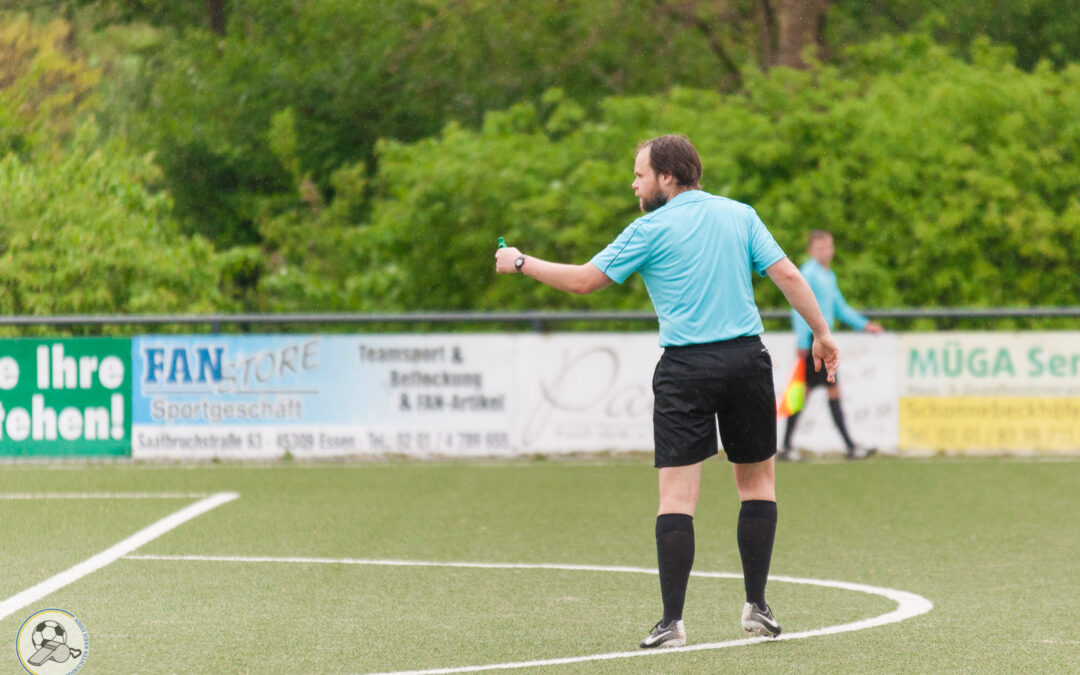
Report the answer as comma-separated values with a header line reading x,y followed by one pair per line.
x,y
686,13
69,16
765,20
216,10
798,24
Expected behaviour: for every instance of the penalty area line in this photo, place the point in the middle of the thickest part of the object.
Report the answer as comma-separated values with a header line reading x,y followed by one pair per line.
x,y
908,604
113,553
101,495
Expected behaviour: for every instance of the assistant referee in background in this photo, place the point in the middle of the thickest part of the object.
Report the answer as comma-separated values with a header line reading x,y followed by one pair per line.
x,y
696,253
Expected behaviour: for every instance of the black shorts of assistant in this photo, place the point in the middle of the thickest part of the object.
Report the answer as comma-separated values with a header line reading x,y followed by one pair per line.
x,y
698,388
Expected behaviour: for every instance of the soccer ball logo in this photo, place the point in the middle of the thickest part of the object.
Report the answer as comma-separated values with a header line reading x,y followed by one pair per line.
x,y
48,630
50,637
50,641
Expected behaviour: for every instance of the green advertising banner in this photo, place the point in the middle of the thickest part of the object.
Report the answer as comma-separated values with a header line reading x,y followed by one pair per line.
x,y
65,397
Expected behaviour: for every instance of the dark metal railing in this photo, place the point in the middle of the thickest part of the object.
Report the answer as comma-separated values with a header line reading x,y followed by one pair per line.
x,y
537,319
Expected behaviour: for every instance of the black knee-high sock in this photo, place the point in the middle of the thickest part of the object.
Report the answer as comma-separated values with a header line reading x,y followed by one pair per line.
x,y
838,418
792,420
757,529
675,555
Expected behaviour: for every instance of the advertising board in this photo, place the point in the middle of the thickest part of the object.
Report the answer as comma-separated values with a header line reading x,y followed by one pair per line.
x,y
65,397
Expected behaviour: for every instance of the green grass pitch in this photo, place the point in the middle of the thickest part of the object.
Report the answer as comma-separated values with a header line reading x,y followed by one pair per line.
x,y
994,543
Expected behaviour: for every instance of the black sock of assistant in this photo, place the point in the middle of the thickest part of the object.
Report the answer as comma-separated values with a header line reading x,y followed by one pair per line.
x,y
838,418
792,420
675,555
757,529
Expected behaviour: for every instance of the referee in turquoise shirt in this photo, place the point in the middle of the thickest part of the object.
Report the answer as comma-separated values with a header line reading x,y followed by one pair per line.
x,y
822,281
697,253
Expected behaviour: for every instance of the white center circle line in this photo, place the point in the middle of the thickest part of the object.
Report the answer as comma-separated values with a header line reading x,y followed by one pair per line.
x,y
908,604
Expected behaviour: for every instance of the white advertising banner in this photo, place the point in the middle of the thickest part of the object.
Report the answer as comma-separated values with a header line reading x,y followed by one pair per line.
x,y
868,394
453,395
256,396
584,392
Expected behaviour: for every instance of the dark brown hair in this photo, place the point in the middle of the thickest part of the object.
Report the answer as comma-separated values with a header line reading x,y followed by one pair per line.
x,y
674,154
817,234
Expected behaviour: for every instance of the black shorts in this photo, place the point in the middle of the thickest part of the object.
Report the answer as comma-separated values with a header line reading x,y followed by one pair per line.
x,y
697,386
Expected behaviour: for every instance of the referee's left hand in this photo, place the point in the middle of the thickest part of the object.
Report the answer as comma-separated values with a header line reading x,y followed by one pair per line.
x,y
826,353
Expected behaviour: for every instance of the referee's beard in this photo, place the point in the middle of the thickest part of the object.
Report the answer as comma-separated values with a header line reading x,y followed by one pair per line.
x,y
653,201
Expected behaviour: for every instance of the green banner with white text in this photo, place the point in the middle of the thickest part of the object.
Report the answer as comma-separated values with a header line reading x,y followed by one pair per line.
x,y
65,397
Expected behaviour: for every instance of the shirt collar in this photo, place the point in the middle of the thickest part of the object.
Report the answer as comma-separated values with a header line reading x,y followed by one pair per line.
x,y
683,197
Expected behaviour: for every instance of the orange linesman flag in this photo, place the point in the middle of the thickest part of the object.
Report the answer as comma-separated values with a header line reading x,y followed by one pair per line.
x,y
795,393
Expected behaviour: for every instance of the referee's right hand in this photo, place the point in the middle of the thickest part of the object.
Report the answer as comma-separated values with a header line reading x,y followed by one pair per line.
x,y
504,260
826,353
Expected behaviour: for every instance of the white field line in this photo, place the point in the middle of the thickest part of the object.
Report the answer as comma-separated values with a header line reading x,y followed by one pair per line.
x,y
102,495
908,604
96,562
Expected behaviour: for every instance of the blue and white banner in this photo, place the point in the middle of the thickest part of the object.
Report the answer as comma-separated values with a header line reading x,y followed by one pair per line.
x,y
447,395
311,395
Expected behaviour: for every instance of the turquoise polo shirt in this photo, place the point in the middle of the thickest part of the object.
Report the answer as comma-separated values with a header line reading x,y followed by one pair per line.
x,y
696,254
833,306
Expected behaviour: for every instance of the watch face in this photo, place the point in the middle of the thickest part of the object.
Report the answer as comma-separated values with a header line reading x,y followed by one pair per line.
x,y
519,262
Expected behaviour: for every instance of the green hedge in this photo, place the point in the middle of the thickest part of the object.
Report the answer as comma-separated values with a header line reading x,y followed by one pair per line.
x,y
947,182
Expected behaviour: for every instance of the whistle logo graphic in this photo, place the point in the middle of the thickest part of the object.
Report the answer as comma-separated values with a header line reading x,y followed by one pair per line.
x,y
52,641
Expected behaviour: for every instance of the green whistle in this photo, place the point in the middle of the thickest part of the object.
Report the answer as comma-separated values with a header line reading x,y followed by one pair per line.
x,y
502,243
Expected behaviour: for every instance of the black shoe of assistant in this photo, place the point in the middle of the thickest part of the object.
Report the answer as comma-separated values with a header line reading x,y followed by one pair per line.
x,y
672,634
789,455
859,452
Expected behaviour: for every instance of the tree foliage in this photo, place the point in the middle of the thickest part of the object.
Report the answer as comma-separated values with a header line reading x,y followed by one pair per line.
x,y
948,182
164,13
81,232
44,86
82,235
364,156
352,73
1036,29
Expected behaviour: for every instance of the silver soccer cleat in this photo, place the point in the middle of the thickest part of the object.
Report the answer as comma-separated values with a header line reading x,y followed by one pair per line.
x,y
759,621
672,634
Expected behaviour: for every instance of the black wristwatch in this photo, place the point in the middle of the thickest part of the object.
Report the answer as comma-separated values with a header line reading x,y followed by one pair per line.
x,y
519,263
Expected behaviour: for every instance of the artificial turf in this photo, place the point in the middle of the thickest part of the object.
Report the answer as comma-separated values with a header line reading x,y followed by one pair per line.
x,y
993,542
